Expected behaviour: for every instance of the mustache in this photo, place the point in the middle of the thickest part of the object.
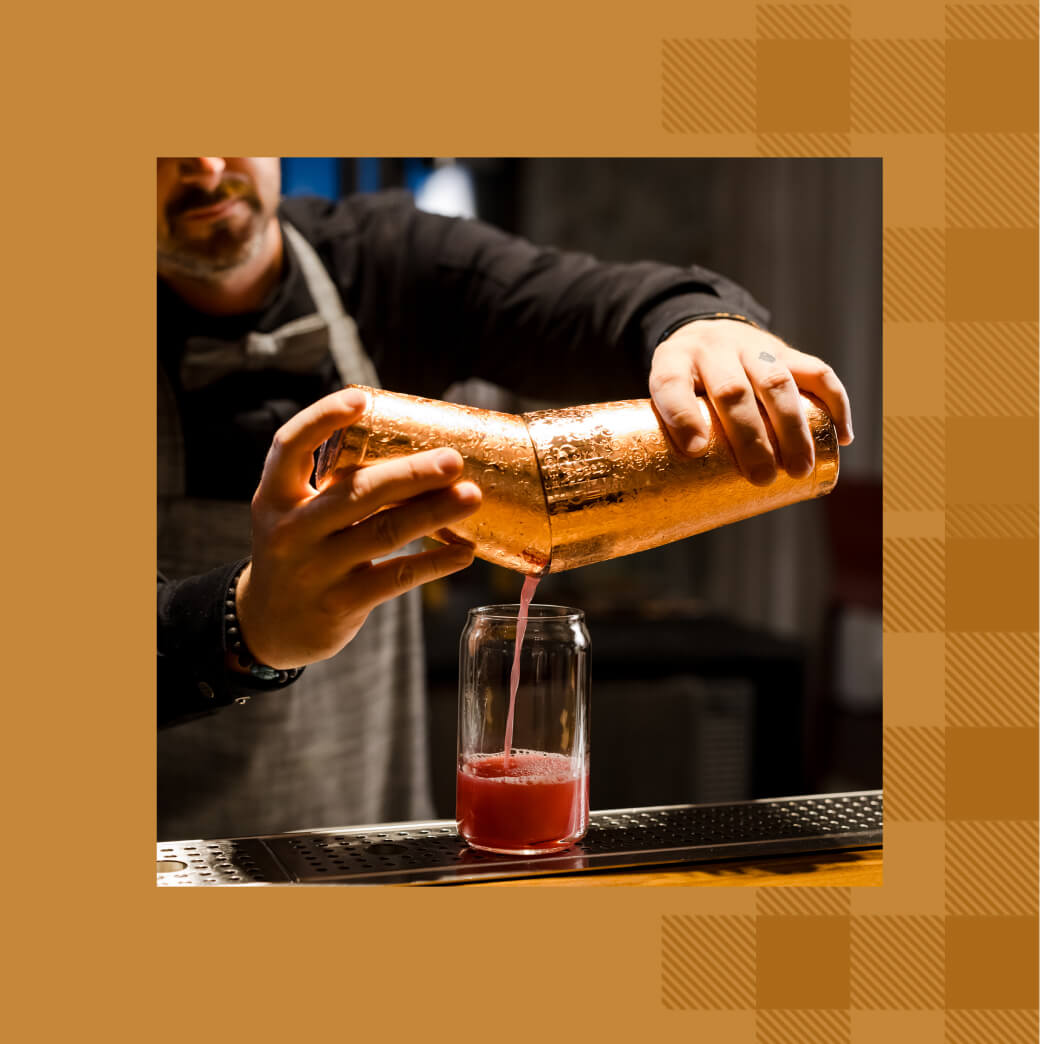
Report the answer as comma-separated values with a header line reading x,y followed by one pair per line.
x,y
194,197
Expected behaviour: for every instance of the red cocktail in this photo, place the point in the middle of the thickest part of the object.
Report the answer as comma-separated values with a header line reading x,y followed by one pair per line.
x,y
523,753
527,803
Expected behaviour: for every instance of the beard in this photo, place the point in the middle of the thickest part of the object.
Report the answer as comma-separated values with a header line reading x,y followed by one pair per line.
x,y
225,244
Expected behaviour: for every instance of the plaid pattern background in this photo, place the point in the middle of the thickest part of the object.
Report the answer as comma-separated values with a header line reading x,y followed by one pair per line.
x,y
946,93
946,950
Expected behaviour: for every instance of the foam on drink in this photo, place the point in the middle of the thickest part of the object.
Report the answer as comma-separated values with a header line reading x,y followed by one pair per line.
x,y
531,801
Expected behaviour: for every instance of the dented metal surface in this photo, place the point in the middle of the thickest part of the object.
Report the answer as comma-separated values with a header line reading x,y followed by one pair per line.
x,y
570,487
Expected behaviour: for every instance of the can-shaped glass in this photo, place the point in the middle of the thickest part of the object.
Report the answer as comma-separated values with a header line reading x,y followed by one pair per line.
x,y
531,796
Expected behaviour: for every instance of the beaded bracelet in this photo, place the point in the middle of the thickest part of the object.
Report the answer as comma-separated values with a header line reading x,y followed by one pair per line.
x,y
233,639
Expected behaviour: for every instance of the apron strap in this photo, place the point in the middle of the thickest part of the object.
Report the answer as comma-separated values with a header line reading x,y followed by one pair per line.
x,y
352,361
198,534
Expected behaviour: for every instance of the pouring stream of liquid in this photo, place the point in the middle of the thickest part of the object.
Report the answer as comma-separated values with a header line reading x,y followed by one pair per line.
x,y
530,583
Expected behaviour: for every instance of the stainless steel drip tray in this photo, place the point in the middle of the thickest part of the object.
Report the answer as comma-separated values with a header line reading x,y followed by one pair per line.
x,y
433,853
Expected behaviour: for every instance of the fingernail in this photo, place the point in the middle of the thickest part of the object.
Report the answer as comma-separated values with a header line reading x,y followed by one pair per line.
x,y
762,474
696,445
800,467
459,554
355,399
448,462
468,490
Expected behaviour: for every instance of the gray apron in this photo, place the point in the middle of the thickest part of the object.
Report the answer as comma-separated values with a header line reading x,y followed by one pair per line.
x,y
347,743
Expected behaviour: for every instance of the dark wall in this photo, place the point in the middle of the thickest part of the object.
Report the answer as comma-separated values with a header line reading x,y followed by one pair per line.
x,y
744,662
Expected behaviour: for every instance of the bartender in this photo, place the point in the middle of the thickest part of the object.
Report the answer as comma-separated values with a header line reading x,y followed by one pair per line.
x,y
265,308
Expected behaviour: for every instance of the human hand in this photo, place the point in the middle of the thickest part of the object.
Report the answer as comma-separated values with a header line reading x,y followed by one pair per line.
x,y
311,582
737,366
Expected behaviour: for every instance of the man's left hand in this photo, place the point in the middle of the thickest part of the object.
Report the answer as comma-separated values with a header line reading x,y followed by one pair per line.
x,y
740,368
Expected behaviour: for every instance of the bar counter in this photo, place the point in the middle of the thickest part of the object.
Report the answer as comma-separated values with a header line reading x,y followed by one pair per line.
x,y
847,869
821,839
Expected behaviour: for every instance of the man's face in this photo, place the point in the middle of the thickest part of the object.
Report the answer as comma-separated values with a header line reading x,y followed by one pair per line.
x,y
212,211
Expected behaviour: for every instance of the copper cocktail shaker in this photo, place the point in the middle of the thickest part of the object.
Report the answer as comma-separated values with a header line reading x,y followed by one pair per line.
x,y
569,487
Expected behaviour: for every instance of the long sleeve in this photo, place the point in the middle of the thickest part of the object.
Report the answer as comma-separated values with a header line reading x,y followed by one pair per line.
x,y
441,299
192,679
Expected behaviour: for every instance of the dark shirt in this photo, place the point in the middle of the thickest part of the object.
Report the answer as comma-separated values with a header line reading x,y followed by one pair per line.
x,y
193,680
436,300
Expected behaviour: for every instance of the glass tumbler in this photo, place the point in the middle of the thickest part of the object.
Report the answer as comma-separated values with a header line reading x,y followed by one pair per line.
x,y
534,796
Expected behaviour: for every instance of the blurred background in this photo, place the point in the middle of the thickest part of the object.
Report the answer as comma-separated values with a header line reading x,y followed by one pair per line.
x,y
744,662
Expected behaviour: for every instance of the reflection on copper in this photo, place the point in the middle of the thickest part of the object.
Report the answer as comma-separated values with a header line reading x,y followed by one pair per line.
x,y
569,487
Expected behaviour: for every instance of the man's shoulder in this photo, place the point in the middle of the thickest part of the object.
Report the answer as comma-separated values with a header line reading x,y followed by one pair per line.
x,y
320,219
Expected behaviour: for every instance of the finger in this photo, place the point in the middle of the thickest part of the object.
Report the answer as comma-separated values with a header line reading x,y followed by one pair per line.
x,y
673,389
372,584
776,389
727,386
290,460
815,376
353,496
388,531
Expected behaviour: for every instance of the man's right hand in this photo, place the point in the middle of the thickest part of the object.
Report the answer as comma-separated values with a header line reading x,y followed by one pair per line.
x,y
312,581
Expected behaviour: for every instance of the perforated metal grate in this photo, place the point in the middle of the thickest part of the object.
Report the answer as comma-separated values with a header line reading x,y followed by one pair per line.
x,y
237,861
433,852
